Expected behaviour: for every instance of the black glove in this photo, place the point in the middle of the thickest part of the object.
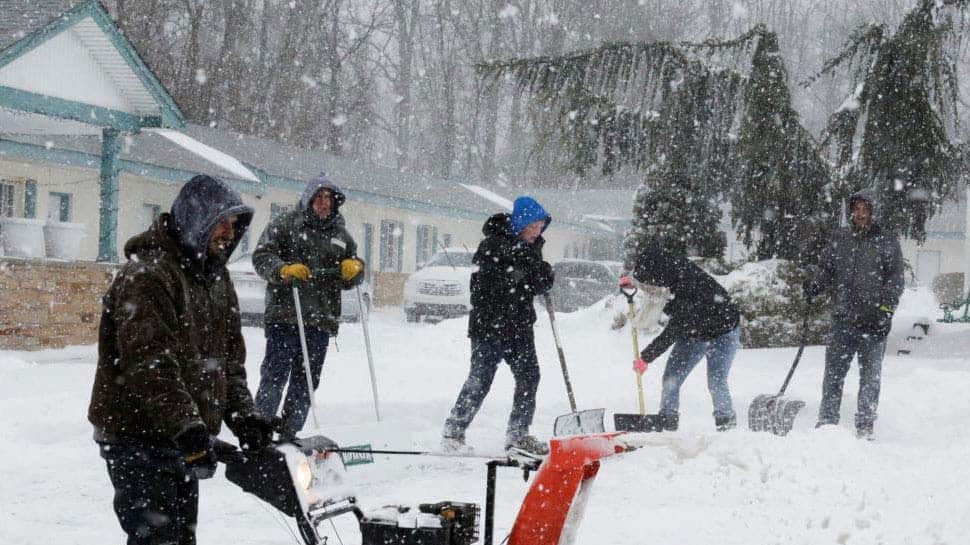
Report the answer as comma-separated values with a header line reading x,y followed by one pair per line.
x,y
196,446
253,431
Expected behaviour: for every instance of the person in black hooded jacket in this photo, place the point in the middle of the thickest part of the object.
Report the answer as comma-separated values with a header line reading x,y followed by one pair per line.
x,y
171,364
510,274
703,321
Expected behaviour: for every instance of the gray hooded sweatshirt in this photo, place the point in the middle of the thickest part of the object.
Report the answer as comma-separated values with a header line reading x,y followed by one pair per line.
x,y
863,269
299,236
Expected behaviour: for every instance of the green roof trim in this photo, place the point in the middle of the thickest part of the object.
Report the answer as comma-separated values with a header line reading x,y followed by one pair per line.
x,y
171,175
171,116
73,158
59,108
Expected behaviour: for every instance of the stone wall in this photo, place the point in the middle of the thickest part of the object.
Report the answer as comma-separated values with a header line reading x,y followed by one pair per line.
x,y
50,304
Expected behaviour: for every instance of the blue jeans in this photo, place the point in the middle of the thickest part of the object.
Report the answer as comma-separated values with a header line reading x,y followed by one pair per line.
x,y
520,354
283,368
156,499
845,342
685,356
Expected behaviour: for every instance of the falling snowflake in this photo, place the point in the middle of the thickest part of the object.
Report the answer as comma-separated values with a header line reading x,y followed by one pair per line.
x,y
508,12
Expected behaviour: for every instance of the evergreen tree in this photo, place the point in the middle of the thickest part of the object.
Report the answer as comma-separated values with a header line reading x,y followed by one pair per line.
x,y
894,134
779,184
675,111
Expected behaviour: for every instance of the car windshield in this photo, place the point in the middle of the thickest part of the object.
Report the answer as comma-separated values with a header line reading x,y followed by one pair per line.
x,y
450,259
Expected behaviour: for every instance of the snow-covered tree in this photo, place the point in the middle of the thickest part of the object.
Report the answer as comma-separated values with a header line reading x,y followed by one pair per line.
x,y
895,133
692,116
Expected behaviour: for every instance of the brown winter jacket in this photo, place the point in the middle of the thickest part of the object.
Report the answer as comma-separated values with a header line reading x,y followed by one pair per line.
x,y
171,352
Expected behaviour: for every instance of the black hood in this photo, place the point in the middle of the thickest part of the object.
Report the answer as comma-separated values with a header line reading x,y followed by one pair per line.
x,y
202,203
499,224
658,266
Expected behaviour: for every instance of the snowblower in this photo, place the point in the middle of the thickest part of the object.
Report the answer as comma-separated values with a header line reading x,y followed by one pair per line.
x,y
772,412
305,479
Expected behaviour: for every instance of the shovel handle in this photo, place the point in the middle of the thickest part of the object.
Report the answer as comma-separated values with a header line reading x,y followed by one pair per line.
x,y
631,314
559,351
798,355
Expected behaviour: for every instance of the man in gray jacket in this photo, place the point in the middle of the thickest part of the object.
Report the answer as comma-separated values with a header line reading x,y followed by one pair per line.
x,y
862,266
308,247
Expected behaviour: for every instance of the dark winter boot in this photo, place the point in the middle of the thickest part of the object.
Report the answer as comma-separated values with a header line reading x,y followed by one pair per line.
x,y
455,445
669,422
725,423
528,444
864,431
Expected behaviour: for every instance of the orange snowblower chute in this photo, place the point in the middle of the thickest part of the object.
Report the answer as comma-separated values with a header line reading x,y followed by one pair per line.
x,y
553,507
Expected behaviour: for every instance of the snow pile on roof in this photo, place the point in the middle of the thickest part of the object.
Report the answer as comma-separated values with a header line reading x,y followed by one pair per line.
x,y
490,195
222,160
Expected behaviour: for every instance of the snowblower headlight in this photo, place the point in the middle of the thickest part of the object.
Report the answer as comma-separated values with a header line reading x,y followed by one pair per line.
x,y
304,474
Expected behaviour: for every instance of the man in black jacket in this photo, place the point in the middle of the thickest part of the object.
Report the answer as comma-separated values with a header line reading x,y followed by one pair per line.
x,y
311,248
703,322
863,266
510,273
171,364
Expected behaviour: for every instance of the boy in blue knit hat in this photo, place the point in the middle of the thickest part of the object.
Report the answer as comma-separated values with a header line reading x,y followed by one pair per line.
x,y
511,272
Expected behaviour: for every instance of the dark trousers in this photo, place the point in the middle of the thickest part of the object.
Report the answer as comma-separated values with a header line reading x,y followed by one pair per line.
x,y
520,354
156,499
283,368
845,342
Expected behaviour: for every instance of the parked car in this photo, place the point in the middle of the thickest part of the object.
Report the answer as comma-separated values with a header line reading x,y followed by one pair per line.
x,y
251,291
439,289
581,283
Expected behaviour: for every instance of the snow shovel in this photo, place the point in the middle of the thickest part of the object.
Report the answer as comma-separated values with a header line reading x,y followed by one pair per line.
x,y
577,422
370,355
772,412
641,422
306,356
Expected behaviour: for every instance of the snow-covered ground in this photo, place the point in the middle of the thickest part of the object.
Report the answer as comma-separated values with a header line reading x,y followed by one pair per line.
x,y
694,486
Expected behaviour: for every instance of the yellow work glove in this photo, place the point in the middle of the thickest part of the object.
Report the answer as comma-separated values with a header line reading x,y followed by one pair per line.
x,y
350,268
298,271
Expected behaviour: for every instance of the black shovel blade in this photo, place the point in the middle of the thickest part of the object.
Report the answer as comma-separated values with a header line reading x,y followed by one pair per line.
x,y
637,422
585,422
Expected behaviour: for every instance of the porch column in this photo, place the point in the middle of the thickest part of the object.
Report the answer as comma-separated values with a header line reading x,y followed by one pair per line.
x,y
108,224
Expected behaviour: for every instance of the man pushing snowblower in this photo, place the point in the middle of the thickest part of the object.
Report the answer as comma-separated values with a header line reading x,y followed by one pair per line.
x,y
704,322
171,364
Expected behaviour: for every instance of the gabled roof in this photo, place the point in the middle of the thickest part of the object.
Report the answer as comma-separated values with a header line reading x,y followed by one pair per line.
x,y
63,27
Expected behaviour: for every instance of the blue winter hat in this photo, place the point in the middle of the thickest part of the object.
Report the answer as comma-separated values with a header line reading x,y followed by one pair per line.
x,y
527,210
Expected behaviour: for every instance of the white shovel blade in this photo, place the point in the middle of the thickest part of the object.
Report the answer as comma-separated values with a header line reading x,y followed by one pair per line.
x,y
580,423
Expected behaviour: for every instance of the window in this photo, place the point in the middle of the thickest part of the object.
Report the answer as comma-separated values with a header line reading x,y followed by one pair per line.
x,y
60,207
425,242
149,213
392,245
30,199
6,200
